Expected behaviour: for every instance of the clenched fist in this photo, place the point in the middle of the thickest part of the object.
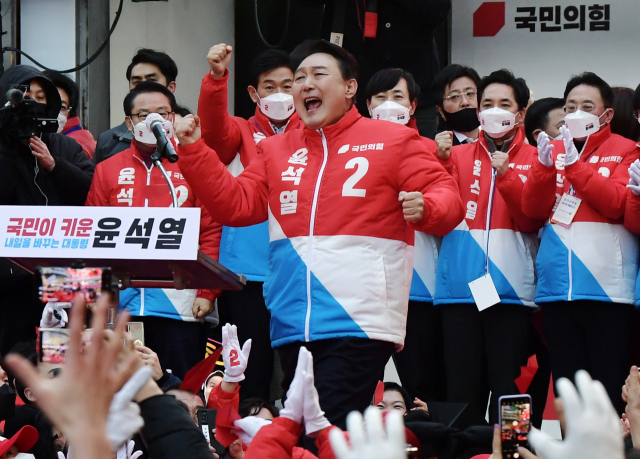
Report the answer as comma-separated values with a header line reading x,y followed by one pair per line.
x,y
188,130
219,57
412,206
500,162
444,140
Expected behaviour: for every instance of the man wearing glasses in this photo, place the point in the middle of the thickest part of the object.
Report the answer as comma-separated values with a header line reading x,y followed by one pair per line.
x,y
588,261
172,318
455,89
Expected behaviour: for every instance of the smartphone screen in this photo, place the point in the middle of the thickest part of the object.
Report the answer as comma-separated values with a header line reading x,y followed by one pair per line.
x,y
52,344
515,424
61,284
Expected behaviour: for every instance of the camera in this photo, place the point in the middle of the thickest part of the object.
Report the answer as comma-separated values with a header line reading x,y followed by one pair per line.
x,y
22,118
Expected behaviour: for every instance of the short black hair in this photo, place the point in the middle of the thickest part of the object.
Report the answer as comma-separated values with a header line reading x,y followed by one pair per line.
x,y
28,350
252,406
145,87
161,60
386,79
391,386
268,60
624,123
504,76
183,111
537,116
448,75
67,85
346,62
591,79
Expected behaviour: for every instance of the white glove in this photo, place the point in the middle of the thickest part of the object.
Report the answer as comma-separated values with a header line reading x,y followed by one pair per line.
x,y
571,152
248,428
545,150
54,315
235,359
634,177
124,415
593,427
314,418
375,444
126,452
294,404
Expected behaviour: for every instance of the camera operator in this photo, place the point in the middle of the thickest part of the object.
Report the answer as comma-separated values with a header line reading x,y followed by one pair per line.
x,y
48,169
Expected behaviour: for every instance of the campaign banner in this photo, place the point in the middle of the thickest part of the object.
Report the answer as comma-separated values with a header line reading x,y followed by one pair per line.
x,y
147,233
548,41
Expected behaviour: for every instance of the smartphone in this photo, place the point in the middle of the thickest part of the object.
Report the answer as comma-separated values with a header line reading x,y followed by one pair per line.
x,y
515,423
207,422
136,330
61,284
52,344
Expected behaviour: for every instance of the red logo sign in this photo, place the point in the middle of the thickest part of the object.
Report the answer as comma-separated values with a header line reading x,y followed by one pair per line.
x,y
488,19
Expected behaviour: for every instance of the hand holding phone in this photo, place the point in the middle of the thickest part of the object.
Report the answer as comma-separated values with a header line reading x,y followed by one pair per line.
x,y
515,423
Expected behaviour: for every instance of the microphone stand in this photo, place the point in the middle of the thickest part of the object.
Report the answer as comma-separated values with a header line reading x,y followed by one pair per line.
x,y
156,158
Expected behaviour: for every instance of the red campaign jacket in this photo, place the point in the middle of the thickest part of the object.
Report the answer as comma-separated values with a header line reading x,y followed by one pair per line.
x,y
494,223
335,223
632,213
148,188
278,440
74,129
596,258
231,135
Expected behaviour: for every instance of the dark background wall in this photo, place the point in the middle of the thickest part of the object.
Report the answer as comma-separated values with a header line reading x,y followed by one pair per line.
x,y
303,22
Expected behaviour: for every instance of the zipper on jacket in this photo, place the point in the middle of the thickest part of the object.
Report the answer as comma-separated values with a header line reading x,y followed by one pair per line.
x,y
312,222
142,301
570,266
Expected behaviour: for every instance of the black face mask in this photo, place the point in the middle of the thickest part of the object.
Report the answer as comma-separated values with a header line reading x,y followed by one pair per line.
x,y
7,402
465,120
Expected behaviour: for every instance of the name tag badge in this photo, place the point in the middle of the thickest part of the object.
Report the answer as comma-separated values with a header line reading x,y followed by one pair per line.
x,y
566,210
484,292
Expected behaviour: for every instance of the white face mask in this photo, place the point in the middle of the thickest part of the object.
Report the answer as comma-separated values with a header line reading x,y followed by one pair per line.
x,y
497,122
277,107
143,134
582,124
25,456
391,111
62,120
558,137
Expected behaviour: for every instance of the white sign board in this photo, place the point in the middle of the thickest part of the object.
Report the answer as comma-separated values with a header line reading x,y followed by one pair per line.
x,y
547,41
137,233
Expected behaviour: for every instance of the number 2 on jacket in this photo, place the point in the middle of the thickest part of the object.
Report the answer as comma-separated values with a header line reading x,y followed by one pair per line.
x,y
362,166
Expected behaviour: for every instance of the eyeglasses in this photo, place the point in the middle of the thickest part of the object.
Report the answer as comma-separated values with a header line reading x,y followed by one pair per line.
x,y
571,108
143,115
455,98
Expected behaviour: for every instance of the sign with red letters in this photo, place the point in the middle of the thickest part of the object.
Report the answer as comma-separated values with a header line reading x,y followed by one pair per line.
x,y
152,233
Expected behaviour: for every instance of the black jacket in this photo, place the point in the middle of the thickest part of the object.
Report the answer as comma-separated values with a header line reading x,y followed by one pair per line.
x,y
169,432
68,183
112,142
404,39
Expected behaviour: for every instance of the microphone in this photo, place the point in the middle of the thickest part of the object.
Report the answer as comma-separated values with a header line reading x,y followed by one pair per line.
x,y
154,124
14,97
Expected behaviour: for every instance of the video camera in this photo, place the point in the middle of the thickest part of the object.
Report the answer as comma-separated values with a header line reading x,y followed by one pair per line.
x,y
22,118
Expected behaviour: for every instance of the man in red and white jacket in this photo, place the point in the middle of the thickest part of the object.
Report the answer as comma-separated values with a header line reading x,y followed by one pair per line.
x,y
343,198
588,261
234,139
172,318
485,347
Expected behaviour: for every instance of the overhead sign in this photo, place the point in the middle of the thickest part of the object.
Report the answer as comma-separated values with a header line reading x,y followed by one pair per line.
x,y
546,42
147,233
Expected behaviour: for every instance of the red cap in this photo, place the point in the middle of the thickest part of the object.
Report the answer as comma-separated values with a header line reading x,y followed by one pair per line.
x,y
24,439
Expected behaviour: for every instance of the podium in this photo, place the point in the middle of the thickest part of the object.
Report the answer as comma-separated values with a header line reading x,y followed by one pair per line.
x,y
145,247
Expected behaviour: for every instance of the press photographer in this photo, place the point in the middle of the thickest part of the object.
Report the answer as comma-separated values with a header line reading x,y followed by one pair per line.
x,y
42,169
